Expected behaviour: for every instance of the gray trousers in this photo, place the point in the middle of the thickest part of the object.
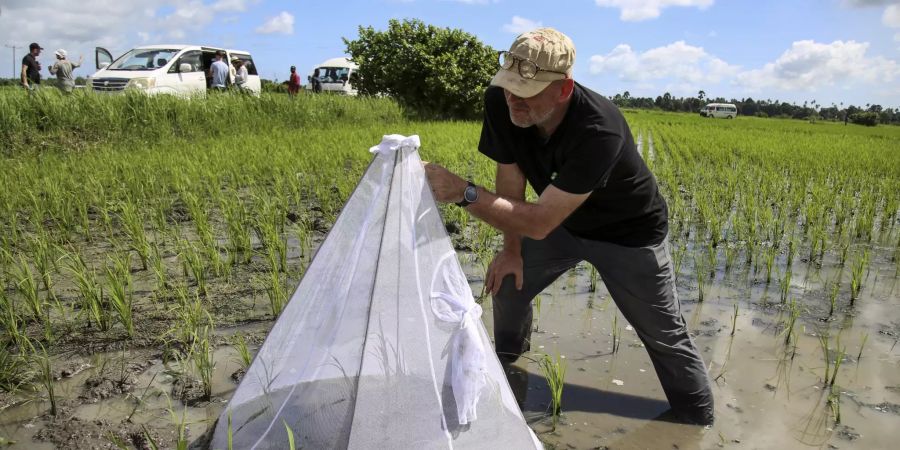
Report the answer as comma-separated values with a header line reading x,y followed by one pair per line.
x,y
641,281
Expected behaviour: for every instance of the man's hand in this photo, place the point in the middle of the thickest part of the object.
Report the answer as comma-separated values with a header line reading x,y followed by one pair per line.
x,y
446,186
506,262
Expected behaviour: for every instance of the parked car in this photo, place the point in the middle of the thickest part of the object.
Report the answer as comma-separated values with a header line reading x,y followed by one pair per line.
x,y
336,75
165,69
719,110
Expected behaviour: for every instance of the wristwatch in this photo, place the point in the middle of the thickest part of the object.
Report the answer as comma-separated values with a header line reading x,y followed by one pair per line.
x,y
470,195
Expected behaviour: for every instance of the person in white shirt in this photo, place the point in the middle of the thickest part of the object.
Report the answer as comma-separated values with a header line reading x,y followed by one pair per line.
x,y
240,72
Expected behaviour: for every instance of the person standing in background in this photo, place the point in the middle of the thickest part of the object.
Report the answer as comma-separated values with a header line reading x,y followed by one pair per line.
x,y
316,82
63,69
240,73
218,72
31,68
293,82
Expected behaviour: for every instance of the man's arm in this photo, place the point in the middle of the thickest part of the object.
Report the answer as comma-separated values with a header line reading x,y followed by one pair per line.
x,y
24,76
509,215
510,183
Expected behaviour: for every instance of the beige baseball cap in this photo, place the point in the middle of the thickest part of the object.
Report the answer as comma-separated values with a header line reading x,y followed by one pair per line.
x,y
552,51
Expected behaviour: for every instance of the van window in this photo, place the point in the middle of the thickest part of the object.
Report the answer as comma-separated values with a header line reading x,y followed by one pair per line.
x,y
248,63
144,59
192,57
334,74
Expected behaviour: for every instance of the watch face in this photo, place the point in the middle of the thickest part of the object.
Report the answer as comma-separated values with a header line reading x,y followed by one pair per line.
x,y
471,194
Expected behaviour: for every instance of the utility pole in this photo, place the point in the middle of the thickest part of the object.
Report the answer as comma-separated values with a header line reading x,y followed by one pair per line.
x,y
13,47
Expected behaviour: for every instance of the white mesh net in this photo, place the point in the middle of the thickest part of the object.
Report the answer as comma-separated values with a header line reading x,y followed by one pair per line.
x,y
381,345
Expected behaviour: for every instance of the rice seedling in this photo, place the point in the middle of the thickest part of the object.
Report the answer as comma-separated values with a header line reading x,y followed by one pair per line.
x,y
133,224
240,345
701,274
275,292
45,376
791,322
616,333
594,278
554,371
193,263
857,271
27,287
202,358
15,371
290,435
862,345
118,281
785,284
158,268
734,319
833,295
92,301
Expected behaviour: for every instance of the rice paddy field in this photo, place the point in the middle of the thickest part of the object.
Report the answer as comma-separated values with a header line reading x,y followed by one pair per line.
x,y
148,244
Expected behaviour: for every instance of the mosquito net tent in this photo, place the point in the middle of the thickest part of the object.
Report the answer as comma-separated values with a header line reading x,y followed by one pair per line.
x,y
381,345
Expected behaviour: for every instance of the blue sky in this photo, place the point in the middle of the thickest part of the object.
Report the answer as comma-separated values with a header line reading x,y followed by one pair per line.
x,y
826,50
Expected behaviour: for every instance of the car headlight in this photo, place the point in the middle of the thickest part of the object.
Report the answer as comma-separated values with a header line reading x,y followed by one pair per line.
x,y
141,83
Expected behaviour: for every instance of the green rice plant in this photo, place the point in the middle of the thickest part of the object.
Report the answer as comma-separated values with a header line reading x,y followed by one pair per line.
x,y
12,323
833,295
791,322
193,263
44,259
616,333
190,315
770,253
92,301
594,277
202,358
734,318
158,268
238,227
27,287
785,284
133,224
121,298
857,271
15,371
862,345
834,402
230,432
554,371
290,435
45,376
240,345
700,273
275,292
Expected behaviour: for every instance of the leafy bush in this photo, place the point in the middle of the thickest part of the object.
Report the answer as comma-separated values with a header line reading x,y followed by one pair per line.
x,y
435,72
869,119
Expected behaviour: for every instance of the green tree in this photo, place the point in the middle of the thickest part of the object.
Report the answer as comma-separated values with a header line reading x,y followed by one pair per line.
x,y
436,72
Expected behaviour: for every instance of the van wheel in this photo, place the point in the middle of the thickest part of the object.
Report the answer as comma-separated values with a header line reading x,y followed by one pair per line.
x,y
729,117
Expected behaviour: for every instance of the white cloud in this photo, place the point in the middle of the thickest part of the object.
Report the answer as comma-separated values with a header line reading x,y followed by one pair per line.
x,y
637,10
283,23
79,26
520,25
891,16
686,64
809,65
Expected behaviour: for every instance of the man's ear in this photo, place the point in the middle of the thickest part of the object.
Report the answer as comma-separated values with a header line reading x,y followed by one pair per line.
x,y
566,89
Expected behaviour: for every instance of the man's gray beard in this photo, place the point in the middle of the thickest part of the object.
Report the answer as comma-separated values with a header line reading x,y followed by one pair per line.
x,y
543,119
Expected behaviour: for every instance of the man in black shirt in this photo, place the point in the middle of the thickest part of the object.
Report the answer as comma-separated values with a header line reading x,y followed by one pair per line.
x,y
31,68
598,203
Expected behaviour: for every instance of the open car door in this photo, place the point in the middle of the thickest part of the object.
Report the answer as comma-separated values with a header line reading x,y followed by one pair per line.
x,y
102,57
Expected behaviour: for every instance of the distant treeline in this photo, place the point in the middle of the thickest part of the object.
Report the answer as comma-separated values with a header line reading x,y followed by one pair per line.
x,y
809,110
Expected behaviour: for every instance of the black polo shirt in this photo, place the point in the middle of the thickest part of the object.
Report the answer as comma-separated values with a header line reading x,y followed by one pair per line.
x,y
33,72
593,151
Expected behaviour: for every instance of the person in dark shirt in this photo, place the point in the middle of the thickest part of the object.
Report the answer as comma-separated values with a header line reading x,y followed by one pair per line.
x,y
293,82
598,202
31,68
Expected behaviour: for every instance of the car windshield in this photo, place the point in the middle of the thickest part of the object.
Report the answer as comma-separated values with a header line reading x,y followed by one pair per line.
x,y
144,59
333,74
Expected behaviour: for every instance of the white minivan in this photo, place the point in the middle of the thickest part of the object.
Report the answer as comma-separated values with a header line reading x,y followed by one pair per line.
x,y
165,69
719,110
336,75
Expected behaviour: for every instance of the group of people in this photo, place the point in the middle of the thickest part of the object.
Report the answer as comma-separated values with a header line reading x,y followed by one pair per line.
x,y
63,68
220,73
294,82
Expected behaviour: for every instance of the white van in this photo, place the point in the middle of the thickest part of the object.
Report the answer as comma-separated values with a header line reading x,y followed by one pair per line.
x,y
165,69
336,76
719,110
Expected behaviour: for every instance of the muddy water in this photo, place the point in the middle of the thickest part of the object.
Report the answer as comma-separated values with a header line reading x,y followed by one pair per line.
x,y
768,394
